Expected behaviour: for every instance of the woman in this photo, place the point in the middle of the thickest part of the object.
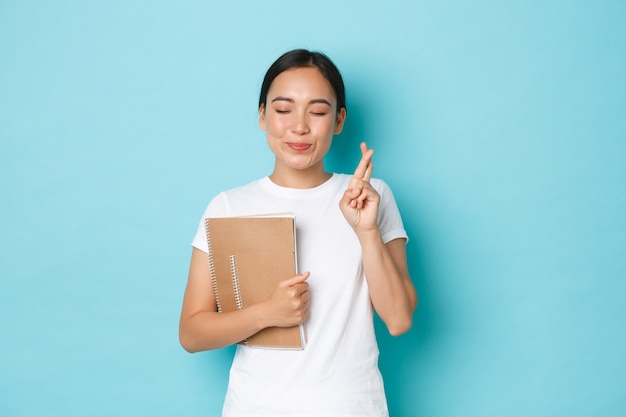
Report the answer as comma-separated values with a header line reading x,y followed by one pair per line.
x,y
351,242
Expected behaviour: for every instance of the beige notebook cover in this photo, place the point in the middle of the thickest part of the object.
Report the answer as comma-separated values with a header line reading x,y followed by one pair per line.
x,y
248,256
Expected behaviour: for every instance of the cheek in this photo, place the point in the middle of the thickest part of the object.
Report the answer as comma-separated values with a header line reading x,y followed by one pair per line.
x,y
277,124
327,125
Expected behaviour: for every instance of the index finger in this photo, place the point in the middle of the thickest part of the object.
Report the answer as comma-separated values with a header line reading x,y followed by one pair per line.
x,y
363,171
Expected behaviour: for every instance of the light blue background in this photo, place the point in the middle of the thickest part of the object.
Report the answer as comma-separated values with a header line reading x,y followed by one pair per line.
x,y
500,125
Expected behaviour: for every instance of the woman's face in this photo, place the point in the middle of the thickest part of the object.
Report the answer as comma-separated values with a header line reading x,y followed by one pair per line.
x,y
300,119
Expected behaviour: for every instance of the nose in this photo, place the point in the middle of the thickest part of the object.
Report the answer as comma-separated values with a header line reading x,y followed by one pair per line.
x,y
300,124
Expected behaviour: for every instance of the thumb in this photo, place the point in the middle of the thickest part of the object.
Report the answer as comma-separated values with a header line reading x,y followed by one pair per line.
x,y
296,279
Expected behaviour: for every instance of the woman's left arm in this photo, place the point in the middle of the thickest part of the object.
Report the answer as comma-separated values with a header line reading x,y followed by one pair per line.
x,y
391,290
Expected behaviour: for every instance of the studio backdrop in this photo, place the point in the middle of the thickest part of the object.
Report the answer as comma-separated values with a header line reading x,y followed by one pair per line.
x,y
499,125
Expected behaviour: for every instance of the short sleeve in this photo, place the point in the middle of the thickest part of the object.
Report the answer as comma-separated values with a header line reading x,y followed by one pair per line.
x,y
218,207
389,218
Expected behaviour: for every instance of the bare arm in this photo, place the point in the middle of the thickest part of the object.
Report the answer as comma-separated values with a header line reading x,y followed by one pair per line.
x,y
391,290
203,328
390,286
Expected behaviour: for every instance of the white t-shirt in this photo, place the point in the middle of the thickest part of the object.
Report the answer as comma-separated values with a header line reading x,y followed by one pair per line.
x,y
337,373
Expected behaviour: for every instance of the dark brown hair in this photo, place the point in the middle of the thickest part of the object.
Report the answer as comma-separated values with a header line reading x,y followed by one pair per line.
x,y
302,58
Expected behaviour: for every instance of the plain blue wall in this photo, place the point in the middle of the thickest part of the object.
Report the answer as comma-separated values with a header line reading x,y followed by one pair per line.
x,y
499,125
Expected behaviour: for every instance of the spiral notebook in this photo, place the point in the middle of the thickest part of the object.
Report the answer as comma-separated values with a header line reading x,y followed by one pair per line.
x,y
248,256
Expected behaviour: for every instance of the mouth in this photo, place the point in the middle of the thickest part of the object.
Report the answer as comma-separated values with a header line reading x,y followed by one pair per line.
x,y
299,147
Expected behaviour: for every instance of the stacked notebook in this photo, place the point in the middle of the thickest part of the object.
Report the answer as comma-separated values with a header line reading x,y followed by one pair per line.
x,y
248,257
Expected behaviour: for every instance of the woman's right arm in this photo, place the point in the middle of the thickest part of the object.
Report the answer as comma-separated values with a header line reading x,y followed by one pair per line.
x,y
203,328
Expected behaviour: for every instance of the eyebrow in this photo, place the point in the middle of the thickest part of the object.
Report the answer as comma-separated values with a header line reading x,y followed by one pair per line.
x,y
290,100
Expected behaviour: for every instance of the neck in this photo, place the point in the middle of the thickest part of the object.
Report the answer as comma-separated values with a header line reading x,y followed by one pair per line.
x,y
300,178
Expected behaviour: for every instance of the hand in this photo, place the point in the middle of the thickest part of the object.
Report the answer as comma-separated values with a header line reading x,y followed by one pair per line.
x,y
289,303
359,203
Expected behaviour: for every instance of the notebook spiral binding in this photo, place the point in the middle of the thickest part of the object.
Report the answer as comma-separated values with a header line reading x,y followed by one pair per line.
x,y
235,277
236,288
212,267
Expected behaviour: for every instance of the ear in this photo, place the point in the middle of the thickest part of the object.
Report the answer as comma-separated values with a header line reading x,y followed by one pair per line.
x,y
262,123
339,120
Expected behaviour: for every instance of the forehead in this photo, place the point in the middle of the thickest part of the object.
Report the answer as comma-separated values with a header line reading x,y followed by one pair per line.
x,y
307,83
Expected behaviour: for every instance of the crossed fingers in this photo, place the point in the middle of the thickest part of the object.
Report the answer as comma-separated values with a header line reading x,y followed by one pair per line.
x,y
360,179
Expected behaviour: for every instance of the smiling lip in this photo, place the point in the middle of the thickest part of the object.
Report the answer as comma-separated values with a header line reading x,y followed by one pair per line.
x,y
299,146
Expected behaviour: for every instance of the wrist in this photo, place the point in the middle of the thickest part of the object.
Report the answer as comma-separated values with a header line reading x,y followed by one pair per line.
x,y
259,317
371,234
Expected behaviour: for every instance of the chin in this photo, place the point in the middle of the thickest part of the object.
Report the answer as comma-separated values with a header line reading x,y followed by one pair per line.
x,y
299,167
299,163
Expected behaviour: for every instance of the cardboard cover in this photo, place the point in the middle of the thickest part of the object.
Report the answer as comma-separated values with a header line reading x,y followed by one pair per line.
x,y
248,256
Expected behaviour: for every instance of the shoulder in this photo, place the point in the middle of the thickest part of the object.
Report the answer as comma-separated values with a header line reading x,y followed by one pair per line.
x,y
379,184
243,189
222,203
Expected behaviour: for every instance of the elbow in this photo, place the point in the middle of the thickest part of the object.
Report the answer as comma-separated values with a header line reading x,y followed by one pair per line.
x,y
404,321
194,343
400,327
188,348
187,342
